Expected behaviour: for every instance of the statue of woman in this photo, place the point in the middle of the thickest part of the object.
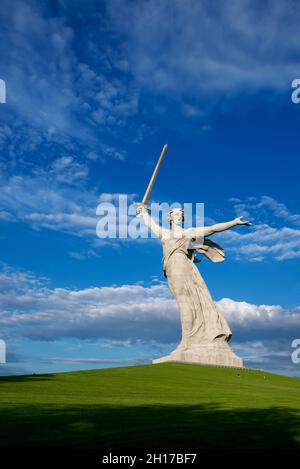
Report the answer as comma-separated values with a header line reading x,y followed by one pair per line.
x,y
202,323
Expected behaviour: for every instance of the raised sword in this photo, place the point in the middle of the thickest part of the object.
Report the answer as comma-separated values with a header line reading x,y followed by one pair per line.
x,y
153,177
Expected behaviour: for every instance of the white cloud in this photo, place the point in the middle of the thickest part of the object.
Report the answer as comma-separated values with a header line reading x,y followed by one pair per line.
x,y
31,309
263,317
134,317
66,169
117,343
113,197
82,255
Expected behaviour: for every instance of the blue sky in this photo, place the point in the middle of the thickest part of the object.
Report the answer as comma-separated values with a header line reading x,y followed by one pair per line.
x,y
94,90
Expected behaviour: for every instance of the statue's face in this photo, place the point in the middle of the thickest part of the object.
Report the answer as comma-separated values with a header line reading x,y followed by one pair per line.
x,y
177,216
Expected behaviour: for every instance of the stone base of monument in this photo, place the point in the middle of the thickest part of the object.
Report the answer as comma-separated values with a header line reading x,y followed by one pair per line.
x,y
208,354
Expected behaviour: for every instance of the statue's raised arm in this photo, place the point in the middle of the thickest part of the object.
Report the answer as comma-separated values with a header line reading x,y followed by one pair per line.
x,y
142,211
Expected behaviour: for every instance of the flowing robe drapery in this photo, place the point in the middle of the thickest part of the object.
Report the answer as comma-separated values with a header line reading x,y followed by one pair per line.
x,y
201,321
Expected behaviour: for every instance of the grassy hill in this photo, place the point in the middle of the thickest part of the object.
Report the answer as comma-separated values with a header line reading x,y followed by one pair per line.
x,y
151,406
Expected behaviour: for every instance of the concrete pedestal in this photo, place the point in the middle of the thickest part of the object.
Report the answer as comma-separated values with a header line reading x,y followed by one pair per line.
x,y
212,354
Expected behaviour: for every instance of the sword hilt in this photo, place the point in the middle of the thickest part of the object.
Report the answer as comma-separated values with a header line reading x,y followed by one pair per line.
x,y
140,204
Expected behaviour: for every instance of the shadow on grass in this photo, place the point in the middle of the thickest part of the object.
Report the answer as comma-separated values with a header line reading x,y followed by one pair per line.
x,y
25,378
146,427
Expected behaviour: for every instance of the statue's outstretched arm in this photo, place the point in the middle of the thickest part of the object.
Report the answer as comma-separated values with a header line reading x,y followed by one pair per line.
x,y
210,230
149,222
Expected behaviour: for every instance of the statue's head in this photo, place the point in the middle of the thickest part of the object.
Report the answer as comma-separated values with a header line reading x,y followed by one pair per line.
x,y
176,216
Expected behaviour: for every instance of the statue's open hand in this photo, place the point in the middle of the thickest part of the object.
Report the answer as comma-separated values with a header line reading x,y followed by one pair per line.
x,y
239,221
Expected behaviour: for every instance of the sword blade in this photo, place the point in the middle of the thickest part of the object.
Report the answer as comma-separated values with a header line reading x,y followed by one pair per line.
x,y
153,177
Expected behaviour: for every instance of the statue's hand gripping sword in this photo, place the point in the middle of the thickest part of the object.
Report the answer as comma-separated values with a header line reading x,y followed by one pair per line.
x,y
152,180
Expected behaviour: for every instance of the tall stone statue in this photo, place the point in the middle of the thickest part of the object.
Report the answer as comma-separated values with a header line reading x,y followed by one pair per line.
x,y
205,332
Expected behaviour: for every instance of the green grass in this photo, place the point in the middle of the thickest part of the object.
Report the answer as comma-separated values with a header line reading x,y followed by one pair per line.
x,y
151,406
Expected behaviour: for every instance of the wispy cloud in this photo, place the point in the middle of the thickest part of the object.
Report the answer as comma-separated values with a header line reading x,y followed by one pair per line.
x,y
188,49
58,198
99,361
50,199
275,234
55,94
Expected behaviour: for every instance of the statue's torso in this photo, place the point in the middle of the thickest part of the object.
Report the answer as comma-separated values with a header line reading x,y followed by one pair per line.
x,y
175,254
